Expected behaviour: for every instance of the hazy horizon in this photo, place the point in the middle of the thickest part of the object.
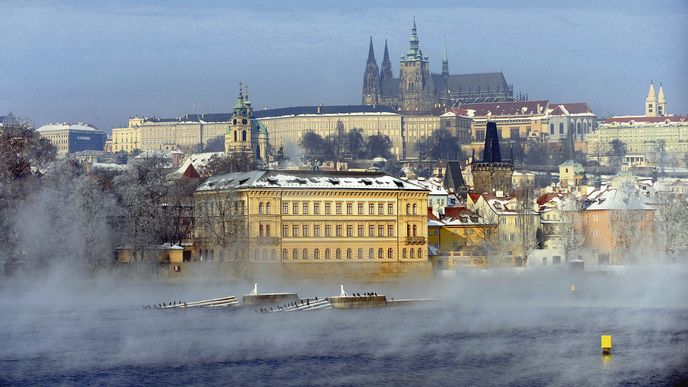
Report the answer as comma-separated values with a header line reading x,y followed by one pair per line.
x,y
68,61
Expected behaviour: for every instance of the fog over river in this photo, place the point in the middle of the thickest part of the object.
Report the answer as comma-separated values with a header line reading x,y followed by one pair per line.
x,y
489,328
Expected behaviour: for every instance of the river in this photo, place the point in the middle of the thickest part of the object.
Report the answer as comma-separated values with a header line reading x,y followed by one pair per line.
x,y
488,328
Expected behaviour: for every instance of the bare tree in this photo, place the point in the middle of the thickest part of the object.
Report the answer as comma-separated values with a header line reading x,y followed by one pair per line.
x,y
571,232
626,219
598,151
222,223
526,219
671,218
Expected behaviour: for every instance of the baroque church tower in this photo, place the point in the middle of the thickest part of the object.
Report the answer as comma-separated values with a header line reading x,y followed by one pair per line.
x,y
651,102
414,74
371,79
245,134
661,102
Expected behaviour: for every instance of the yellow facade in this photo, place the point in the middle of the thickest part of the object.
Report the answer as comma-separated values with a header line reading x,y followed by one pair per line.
x,y
289,129
292,225
416,129
147,135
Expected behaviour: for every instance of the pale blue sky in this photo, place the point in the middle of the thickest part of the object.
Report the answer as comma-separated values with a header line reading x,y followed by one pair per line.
x,y
101,62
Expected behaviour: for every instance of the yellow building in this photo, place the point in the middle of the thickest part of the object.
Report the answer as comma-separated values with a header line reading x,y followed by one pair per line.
x,y
517,119
459,236
315,222
416,129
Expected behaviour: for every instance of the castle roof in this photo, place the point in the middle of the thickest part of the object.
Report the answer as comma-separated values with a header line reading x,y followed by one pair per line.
x,y
566,109
508,108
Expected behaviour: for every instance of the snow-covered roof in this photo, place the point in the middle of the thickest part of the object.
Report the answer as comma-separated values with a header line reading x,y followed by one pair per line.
x,y
608,198
198,160
307,179
433,184
67,126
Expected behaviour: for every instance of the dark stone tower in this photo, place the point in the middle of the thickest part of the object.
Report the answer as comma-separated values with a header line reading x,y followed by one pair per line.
x,y
386,72
492,174
371,79
445,61
414,74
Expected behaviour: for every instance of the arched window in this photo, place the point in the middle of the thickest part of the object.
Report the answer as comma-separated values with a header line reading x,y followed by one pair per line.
x,y
338,254
371,253
420,253
414,230
243,135
316,254
578,128
415,209
408,209
295,254
390,253
561,128
267,230
408,230
268,208
260,208
551,128
380,253
285,254
304,254
235,136
260,230
327,254
360,254
349,253
413,255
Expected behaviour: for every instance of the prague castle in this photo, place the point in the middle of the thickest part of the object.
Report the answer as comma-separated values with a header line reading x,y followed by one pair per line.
x,y
418,90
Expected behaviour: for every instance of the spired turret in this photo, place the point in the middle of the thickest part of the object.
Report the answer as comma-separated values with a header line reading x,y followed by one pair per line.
x,y
492,174
661,103
371,79
245,134
651,102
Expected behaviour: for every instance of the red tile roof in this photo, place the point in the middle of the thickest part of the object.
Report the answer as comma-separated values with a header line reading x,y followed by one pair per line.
x,y
544,198
513,108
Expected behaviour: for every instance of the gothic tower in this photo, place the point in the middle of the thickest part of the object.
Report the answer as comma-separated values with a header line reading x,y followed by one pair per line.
x,y
386,72
371,79
414,74
492,174
445,61
651,102
661,103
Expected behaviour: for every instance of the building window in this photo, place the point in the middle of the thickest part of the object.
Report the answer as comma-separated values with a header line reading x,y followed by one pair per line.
x,y
371,253
316,208
295,231
403,253
304,230
305,208
260,230
328,230
412,253
349,254
316,254
338,254
371,209
390,209
295,254
551,128
380,253
371,230
285,208
420,253
390,253
328,208
390,230
338,230
414,230
285,230
513,133
380,230
267,230
561,128
380,209
243,135
260,208
349,209
285,254
316,230
305,254
578,128
360,230
349,230
327,254
338,208
408,209
359,208
295,208
268,208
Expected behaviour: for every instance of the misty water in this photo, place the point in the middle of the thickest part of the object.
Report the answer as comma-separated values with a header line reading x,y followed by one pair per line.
x,y
488,328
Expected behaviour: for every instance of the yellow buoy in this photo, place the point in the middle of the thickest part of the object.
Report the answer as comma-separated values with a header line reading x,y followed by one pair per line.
x,y
573,288
606,344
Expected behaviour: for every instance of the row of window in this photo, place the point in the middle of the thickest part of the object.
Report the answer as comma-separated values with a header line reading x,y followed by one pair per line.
x,y
326,231
305,208
305,254
579,130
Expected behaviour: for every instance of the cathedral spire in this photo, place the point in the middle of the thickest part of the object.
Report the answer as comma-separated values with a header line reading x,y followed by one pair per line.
x,y
661,102
651,102
371,52
386,72
414,52
445,60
